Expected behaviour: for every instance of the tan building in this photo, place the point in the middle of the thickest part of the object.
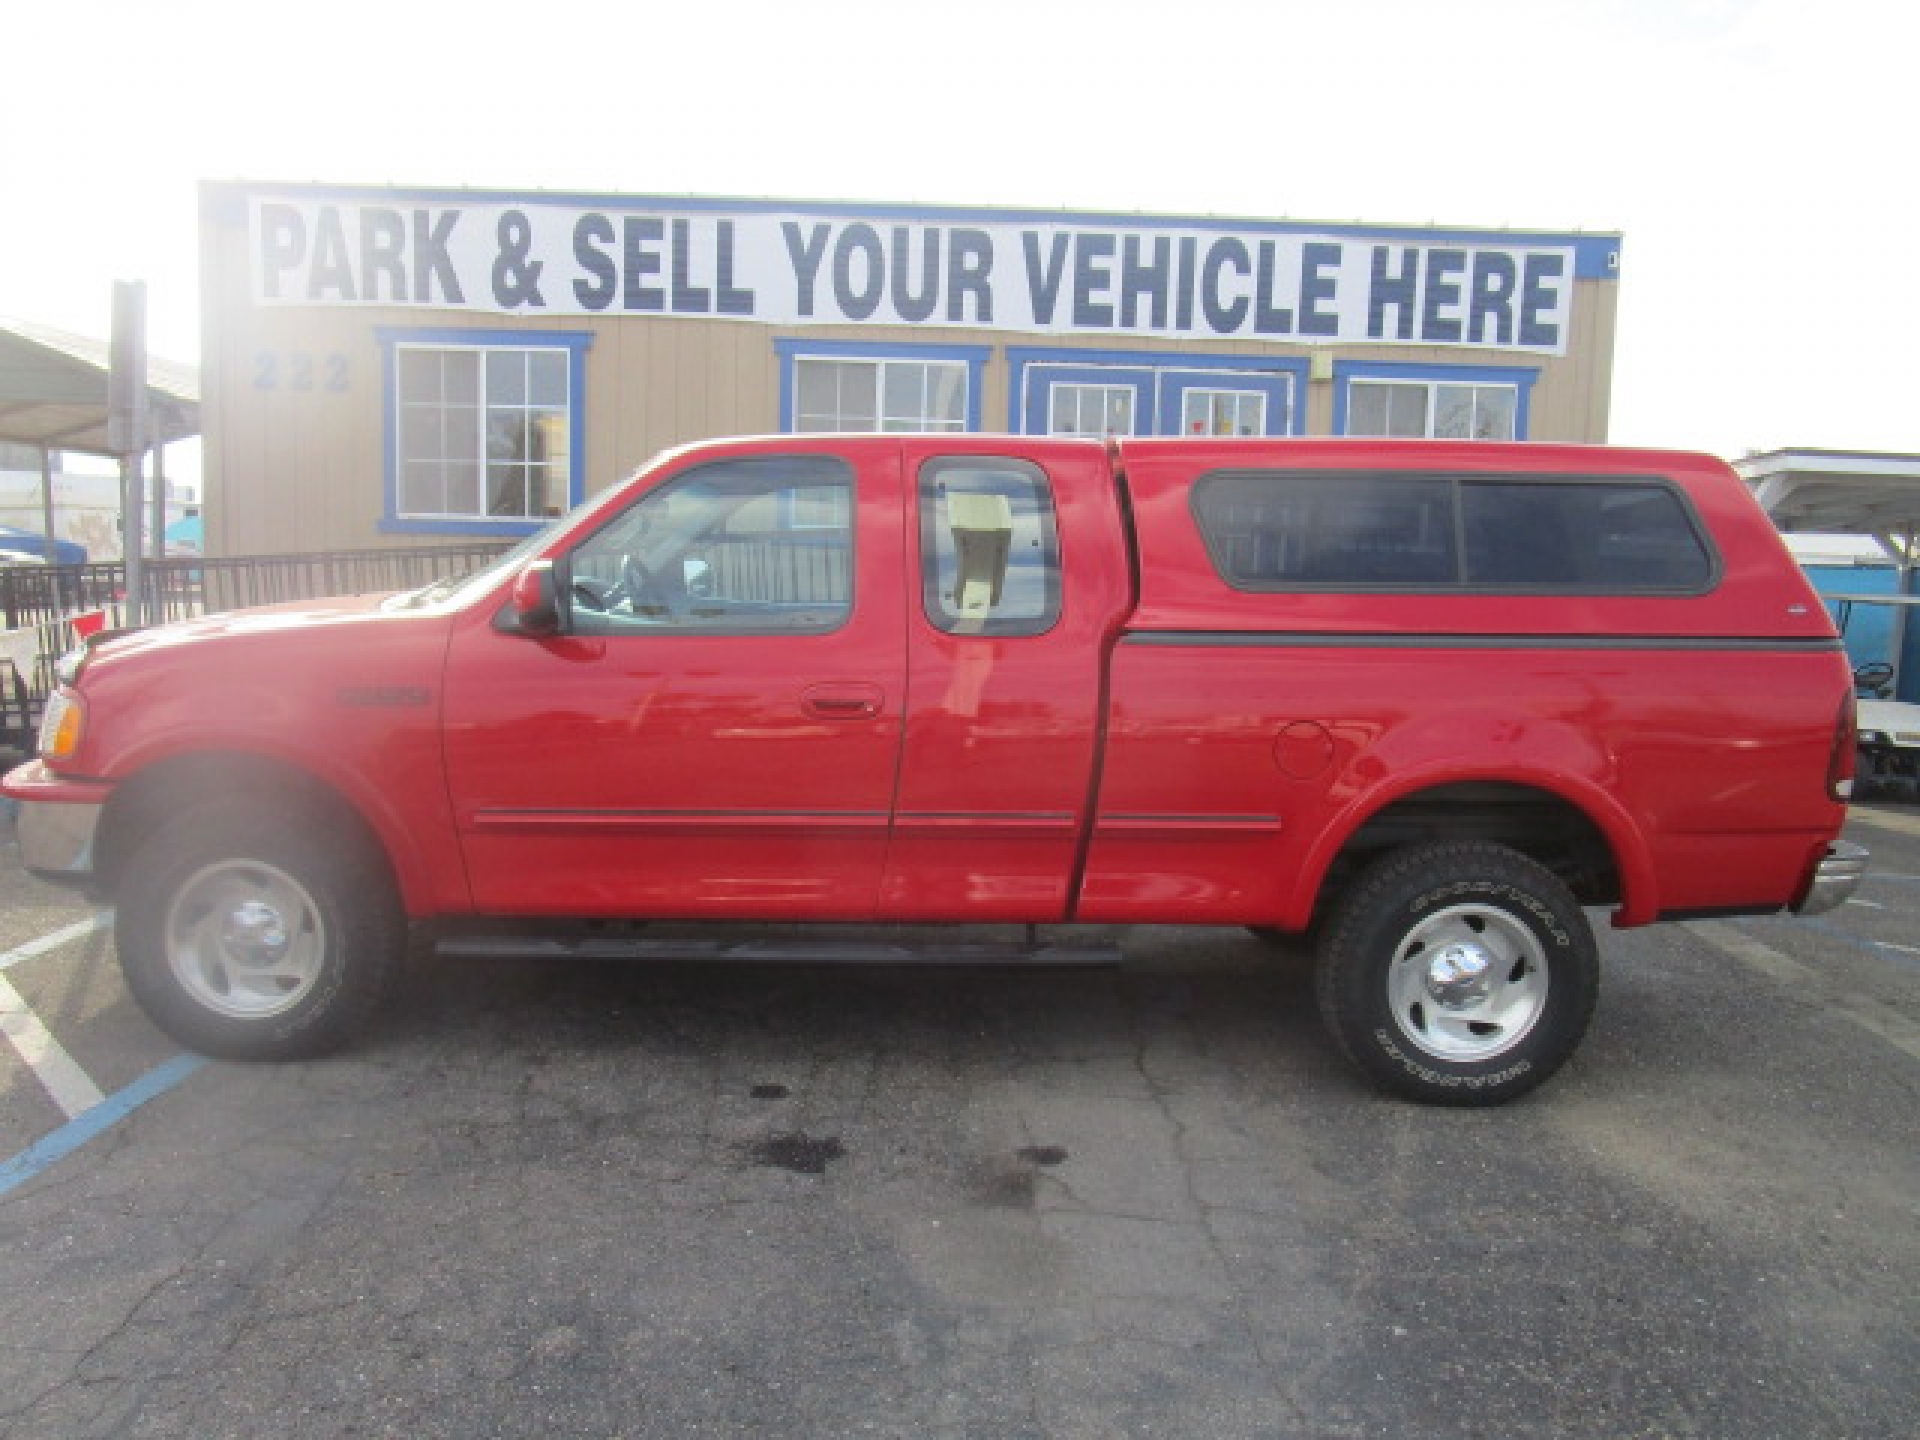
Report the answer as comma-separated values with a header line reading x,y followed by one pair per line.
x,y
386,366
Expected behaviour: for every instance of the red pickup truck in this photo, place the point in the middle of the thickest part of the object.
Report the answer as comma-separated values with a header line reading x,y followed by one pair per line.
x,y
1423,700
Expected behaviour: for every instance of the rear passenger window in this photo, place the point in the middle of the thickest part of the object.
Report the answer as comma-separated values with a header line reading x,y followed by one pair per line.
x,y
1284,530
989,551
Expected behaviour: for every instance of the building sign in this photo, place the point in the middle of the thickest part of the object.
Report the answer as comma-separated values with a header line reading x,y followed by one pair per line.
x,y
1074,276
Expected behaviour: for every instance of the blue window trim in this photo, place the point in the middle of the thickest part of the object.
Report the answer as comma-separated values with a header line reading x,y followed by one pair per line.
x,y
575,342
1020,357
974,357
1521,377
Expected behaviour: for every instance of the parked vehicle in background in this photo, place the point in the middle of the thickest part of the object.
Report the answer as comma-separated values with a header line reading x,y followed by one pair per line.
x,y
1889,736
32,543
1423,701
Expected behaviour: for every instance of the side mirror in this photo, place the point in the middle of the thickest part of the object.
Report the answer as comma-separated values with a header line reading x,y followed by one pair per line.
x,y
533,607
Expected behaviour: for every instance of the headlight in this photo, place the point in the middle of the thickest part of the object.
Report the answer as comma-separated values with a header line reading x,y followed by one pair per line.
x,y
61,724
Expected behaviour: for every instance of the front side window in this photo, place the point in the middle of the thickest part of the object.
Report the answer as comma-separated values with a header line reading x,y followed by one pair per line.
x,y
757,546
868,395
483,432
1419,409
989,548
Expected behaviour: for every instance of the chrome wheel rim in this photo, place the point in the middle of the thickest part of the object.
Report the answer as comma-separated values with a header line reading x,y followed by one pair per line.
x,y
1468,983
245,939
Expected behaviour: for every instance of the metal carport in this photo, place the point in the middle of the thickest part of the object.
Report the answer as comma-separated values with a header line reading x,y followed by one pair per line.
x,y
53,396
1838,492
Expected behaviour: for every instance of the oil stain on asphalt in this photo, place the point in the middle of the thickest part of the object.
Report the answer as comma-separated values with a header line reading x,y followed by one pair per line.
x,y
797,1151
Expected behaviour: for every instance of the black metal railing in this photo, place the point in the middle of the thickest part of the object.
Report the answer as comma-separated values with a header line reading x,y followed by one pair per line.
x,y
40,604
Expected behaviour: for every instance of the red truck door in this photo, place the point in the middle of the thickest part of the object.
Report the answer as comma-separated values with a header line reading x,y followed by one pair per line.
x,y
1023,582
717,735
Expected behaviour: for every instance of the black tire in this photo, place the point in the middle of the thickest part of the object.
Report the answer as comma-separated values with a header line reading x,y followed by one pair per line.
x,y
1432,1029
249,935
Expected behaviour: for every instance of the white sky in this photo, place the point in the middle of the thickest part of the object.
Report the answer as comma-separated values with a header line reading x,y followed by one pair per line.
x,y
1761,157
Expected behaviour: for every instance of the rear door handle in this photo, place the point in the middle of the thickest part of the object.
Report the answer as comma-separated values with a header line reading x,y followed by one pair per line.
x,y
844,701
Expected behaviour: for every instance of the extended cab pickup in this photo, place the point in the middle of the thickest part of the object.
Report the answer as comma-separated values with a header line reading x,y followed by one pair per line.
x,y
1423,700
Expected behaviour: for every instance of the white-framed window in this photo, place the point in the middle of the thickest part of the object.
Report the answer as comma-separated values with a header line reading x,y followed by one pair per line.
x,y
1223,412
1054,391
482,432
879,394
1091,409
1432,409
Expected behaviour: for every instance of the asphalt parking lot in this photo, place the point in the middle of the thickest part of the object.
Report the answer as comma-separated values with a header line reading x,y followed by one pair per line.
x,y
572,1199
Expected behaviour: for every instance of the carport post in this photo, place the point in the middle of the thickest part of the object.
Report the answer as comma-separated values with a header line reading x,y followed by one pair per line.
x,y
46,498
1901,549
1903,583
159,505
127,427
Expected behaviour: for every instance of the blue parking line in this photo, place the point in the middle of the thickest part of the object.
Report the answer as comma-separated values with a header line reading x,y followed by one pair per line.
x,y
51,1149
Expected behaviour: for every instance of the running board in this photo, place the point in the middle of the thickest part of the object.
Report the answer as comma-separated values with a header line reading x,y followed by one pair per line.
x,y
763,951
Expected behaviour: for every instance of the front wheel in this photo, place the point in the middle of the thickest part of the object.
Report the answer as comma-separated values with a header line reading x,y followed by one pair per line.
x,y
1458,974
251,936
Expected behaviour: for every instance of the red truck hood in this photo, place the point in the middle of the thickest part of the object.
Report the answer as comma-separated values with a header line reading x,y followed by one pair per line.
x,y
297,615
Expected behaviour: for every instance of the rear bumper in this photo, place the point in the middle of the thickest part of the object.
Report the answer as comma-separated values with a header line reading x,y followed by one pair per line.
x,y
1835,877
57,822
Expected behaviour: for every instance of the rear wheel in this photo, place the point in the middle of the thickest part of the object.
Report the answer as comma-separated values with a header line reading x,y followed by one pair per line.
x,y
1458,974
252,936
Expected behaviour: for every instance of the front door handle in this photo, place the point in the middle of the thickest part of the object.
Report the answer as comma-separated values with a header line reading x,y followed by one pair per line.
x,y
843,701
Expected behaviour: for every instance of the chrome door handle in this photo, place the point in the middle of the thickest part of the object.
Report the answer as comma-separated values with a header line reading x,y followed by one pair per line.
x,y
843,702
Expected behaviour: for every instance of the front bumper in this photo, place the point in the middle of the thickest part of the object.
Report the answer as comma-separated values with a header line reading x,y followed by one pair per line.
x,y
56,823
1835,878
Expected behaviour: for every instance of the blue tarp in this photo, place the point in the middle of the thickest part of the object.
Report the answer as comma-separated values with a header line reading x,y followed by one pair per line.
x,y
1869,628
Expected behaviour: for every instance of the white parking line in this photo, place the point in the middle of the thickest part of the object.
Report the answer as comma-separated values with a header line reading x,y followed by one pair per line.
x,y
79,930
1887,820
71,1087
1870,1015
88,1112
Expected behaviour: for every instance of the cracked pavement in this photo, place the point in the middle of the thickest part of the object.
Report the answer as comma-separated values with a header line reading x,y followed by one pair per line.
x,y
588,1199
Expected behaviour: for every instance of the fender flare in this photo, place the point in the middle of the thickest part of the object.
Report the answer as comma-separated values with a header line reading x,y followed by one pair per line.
x,y
1632,857
398,842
